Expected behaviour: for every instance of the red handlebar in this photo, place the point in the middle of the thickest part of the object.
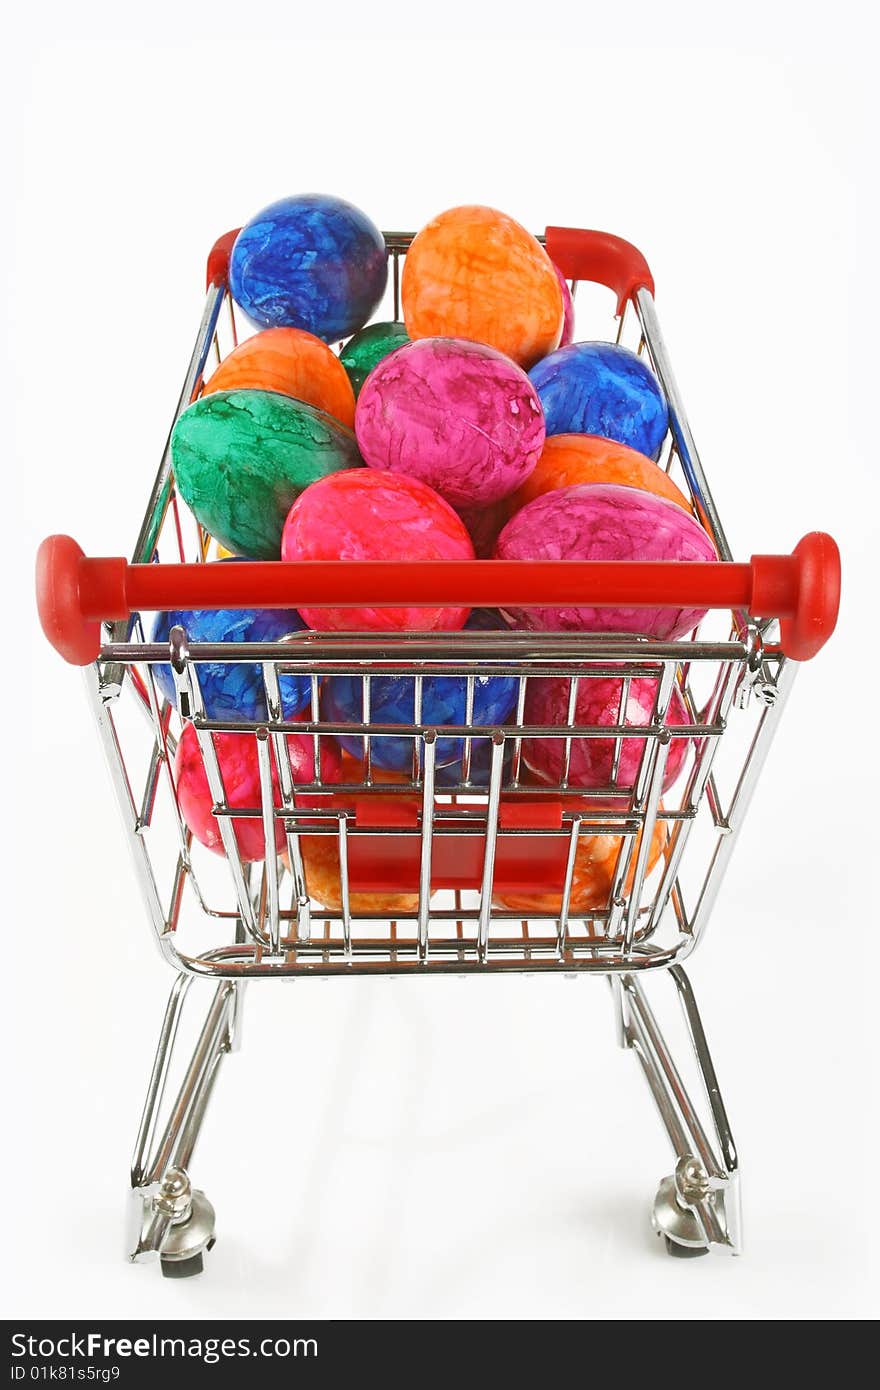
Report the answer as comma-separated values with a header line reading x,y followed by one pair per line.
x,y
218,258
601,257
75,594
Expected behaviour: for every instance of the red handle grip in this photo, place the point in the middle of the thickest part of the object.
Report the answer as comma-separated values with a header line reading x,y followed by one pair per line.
x,y
601,257
75,594
218,258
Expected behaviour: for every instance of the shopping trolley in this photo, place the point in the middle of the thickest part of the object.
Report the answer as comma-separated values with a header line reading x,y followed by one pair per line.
x,y
455,847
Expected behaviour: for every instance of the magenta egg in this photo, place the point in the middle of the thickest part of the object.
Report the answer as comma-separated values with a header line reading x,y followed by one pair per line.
x,y
598,702
365,514
567,309
603,521
457,415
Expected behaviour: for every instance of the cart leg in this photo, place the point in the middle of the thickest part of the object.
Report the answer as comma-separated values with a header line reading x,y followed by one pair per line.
x,y
697,1208
170,1218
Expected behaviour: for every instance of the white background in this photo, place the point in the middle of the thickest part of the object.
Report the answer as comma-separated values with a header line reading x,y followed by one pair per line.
x,y
447,1149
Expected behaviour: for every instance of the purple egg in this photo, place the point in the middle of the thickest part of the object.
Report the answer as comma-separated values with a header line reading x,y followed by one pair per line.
x,y
567,310
483,525
457,415
601,521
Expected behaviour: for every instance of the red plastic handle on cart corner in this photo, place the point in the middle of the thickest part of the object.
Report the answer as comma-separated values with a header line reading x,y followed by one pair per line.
x,y
602,258
218,258
75,594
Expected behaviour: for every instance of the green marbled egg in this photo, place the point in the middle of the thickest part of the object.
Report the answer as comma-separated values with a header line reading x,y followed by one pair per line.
x,y
365,349
241,459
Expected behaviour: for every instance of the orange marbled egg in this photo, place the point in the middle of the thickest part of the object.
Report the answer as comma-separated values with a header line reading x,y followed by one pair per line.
x,y
474,272
290,361
567,459
321,858
321,862
593,878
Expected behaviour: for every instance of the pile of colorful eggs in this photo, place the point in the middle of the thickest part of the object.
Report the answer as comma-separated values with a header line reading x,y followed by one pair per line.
x,y
476,427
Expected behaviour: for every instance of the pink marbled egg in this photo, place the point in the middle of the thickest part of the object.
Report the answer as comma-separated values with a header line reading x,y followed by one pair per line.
x,y
603,521
457,415
567,309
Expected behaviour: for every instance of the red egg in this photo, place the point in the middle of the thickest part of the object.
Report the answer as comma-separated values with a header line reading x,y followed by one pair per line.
x,y
369,514
240,772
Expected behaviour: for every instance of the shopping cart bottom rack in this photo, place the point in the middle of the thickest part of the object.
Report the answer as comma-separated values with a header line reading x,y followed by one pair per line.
x,y
471,866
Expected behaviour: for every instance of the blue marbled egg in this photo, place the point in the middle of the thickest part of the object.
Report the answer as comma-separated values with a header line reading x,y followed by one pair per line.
x,y
233,691
452,774
392,701
602,388
310,262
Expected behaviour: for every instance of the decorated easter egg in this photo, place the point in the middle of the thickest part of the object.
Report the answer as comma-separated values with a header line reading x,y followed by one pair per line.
x,y
478,772
602,388
567,459
474,272
483,525
311,262
459,416
595,866
567,309
487,620
598,702
320,853
240,772
452,775
241,459
233,690
292,362
366,349
603,521
444,701
366,514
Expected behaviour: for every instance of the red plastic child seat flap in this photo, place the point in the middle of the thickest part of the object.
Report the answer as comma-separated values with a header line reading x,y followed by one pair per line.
x,y
392,863
386,813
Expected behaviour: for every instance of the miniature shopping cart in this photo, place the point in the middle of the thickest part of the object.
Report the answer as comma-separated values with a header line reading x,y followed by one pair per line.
x,y
454,849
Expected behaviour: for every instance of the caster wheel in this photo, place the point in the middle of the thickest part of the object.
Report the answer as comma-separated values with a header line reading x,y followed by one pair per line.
x,y
677,1222
684,1252
182,1253
183,1269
